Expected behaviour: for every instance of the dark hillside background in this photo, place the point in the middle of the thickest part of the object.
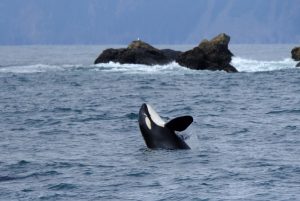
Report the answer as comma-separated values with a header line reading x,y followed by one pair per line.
x,y
155,21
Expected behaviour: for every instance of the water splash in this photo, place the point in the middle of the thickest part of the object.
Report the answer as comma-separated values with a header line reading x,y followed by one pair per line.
x,y
242,64
251,65
35,68
141,69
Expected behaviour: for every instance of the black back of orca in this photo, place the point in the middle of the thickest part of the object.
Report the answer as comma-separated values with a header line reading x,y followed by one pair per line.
x,y
160,135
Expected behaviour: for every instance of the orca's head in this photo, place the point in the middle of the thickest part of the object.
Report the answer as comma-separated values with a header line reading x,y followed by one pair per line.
x,y
152,126
159,134
149,117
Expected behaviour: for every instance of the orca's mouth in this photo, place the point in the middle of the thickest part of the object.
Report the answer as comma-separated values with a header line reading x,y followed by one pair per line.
x,y
144,110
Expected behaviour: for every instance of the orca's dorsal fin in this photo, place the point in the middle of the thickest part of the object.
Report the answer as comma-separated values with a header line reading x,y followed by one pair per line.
x,y
179,123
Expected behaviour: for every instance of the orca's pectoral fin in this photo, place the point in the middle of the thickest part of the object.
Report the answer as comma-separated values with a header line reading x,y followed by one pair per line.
x,y
179,123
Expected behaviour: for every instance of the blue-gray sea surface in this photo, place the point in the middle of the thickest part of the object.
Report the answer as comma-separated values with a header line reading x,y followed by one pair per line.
x,y
69,130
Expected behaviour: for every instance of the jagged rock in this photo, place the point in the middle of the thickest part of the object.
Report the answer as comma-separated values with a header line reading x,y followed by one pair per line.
x,y
138,52
209,55
171,54
296,53
136,44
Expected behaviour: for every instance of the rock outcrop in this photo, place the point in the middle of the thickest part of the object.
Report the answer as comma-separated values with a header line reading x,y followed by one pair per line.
x,y
209,55
138,52
296,55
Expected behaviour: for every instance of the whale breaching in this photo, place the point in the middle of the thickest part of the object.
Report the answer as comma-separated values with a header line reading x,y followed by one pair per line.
x,y
160,135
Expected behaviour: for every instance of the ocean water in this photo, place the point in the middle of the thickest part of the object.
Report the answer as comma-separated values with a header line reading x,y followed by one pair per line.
x,y
69,130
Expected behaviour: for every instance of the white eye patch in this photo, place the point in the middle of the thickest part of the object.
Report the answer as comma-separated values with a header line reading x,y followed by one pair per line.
x,y
148,122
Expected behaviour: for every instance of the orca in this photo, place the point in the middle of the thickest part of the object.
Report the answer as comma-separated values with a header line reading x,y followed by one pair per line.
x,y
160,135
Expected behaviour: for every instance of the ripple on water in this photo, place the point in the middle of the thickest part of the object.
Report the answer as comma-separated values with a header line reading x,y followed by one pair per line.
x,y
132,116
62,186
58,196
65,164
46,173
244,130
19,164
137,173
7,178
294,111
289,127
94,117
32,175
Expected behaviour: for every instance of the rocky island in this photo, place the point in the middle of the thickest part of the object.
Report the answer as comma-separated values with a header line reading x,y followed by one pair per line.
x,y
296,55
208,55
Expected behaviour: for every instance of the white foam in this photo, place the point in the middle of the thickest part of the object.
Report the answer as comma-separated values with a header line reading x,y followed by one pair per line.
x,y
250,65
140,68
242,64
39,68
36,68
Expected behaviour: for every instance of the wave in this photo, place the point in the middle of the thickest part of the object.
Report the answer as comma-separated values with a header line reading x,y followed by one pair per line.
x,y
251,65
105,67
35,68
242,64
172,67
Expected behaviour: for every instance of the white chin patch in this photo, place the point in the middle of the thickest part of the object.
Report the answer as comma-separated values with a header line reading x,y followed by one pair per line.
x,y
148,123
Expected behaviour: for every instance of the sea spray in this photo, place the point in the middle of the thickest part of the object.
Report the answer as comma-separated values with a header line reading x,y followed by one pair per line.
x,y
251,65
